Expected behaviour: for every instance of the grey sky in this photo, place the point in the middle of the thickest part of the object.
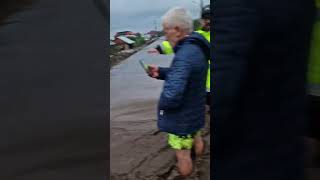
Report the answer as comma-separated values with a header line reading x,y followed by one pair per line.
x,y
140,15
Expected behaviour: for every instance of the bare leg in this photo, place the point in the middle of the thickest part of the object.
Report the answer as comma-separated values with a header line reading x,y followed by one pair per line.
x,y
184,163
199,145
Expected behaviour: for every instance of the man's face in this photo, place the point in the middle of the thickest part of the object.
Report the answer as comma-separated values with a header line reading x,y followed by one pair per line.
x,y
173,34
205,24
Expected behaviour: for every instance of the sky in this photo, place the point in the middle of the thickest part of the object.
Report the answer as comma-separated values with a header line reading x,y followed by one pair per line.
x,y
143,15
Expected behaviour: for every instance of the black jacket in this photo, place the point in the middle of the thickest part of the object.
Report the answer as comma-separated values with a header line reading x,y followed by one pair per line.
x,y
259,66
53,90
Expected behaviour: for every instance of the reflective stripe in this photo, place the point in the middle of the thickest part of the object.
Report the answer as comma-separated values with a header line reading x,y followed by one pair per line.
x,y
314,89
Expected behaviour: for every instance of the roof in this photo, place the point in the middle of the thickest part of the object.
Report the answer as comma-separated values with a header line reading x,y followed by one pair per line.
x,y
126,40
134,36
153,32
123,32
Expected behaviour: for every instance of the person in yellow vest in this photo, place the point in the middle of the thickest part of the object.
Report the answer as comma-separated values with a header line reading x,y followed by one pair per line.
x,y
166,48
314,88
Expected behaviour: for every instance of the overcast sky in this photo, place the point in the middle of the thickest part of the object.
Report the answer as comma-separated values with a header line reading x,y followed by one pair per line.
x,y
141,15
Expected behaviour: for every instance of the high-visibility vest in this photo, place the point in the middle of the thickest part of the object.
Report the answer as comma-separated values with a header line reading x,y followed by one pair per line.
x,y
167,49
314,61
206,34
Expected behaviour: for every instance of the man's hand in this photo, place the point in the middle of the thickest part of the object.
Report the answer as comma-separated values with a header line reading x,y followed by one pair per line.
x,y
153,51
153,71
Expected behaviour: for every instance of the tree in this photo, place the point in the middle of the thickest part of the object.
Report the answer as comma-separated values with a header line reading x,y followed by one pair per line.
x,y
139,41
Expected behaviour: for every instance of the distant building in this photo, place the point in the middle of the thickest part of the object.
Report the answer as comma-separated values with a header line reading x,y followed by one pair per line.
x,y
153,33
112,44
124,42
124,33
147,37
132,37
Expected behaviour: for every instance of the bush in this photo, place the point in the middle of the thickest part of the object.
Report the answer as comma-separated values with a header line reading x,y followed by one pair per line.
x,y
114,49
139,41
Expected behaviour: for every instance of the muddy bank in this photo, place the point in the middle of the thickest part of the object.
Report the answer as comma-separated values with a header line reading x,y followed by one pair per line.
x,y
140,151
122,55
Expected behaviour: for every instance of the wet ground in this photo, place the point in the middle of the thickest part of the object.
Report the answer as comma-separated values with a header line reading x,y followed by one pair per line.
x,y
138,150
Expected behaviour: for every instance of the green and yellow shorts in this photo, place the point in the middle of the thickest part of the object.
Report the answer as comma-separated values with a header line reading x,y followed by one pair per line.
x,y
182,142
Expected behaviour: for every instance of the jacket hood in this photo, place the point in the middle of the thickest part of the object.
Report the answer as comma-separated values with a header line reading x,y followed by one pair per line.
x,y
195,38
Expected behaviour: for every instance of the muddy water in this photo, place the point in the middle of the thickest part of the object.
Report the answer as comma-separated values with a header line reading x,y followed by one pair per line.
x,y
138,149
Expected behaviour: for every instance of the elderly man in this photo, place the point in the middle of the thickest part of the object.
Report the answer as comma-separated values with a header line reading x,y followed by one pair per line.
x,y
181,109
166,48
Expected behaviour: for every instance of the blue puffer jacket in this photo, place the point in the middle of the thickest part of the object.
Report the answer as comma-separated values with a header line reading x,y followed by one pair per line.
x,y
181,108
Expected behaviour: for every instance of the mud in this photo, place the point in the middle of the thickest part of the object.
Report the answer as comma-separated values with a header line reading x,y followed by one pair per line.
x,y
138,150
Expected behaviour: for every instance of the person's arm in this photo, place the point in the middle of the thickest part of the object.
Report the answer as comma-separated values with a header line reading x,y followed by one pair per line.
x,y
176,79
159,49
156,50
158,72
163,71
235,31
163,48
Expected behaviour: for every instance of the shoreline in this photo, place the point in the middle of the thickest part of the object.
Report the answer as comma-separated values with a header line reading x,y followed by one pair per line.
x,y
117,58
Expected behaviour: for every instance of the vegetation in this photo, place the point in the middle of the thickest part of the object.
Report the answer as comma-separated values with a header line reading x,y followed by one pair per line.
x,y
114,50
139,41
161,33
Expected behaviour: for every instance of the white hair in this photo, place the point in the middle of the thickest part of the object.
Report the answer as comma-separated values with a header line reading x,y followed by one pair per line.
x,y
178,17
